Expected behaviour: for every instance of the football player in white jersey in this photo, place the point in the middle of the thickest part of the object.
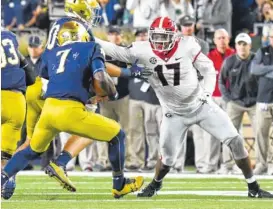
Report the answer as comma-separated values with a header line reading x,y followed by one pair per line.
x,y
185,101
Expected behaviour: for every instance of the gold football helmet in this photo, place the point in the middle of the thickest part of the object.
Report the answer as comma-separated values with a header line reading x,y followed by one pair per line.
x,y
72,31
85,10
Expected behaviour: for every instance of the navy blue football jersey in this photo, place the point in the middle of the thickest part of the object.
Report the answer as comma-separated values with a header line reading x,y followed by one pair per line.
x,y
12,75
52,36
70,69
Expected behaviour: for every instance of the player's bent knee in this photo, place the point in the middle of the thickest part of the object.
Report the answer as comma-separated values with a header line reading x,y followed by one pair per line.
x,y
38,147
119,137
237,148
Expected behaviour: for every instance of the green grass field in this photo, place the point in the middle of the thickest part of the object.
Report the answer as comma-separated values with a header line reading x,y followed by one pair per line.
x,y
41,192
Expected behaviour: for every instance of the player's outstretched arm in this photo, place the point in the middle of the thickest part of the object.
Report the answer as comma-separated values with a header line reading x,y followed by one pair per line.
x,y
123,54
28,68
134,71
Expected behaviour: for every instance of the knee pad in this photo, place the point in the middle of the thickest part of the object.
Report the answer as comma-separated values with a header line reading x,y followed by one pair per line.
x,y
237,148
119,137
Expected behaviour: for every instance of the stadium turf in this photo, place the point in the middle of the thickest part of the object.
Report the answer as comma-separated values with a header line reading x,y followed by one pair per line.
x,y
190,192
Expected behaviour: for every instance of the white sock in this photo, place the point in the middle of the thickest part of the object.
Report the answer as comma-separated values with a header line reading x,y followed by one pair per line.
x,y
251,180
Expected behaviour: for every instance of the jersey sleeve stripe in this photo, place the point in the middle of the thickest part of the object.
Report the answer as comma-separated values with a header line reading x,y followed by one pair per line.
x,y
196,57
97,70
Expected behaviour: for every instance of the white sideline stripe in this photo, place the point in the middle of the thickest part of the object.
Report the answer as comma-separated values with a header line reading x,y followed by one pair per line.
x,y
93,181
189,192
108,188
147,175
144,200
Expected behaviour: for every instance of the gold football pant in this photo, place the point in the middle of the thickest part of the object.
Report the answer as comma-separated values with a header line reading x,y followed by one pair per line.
x,y
13,111
34,105
71,117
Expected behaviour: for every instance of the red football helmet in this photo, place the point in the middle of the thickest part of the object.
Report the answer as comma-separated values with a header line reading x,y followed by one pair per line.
x,y
163,34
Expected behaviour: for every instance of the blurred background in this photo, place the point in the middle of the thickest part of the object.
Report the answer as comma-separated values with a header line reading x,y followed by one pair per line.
x,y
124,21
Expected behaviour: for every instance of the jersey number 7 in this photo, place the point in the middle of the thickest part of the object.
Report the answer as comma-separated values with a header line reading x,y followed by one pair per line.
x,y
175,67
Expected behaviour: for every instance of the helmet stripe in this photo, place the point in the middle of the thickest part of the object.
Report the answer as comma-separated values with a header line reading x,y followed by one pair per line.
x,y
161,22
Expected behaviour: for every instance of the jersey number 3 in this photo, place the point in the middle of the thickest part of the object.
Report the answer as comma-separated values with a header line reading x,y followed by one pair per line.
x,y
13,59
175,67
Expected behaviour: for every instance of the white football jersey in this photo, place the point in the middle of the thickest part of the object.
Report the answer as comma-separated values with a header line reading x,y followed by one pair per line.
x,y
174,79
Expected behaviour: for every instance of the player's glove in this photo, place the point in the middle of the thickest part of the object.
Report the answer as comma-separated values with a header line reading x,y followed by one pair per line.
x,y
136,72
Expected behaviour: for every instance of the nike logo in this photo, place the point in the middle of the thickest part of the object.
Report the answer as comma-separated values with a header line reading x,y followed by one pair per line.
x,y
177,58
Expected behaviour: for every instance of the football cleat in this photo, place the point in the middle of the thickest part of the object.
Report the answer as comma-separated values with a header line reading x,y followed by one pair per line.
x,y
131,185
260,194
59,173
8,188
150,190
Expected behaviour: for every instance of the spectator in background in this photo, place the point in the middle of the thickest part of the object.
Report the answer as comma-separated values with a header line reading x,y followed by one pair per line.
x,y
239,88
144,11
145,118
111,12
216,14
35,50
41,16
262,66
117,110
258,11
7,14
175,9
187,24
218,55
268,15
25,13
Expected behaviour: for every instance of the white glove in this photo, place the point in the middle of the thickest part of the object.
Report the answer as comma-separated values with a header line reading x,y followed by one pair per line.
x,y
263,106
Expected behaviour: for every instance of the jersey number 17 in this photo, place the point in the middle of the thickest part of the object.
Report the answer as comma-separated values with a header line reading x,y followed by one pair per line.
x,y
175,67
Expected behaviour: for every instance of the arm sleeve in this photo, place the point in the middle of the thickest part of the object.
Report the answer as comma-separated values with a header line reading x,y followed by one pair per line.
x,y
222,82
97,59
28,68
205,66
257,68
123,54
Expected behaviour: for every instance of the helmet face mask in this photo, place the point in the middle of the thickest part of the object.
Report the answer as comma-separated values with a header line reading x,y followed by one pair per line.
x,y
87,11
161,41
162,34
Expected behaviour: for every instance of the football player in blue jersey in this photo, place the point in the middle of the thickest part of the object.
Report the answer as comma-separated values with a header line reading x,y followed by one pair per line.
x,y
86,13
71,68
16,74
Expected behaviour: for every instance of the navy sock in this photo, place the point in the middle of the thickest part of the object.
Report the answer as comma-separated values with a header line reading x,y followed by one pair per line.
x,y
116,152
19,161
63,158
